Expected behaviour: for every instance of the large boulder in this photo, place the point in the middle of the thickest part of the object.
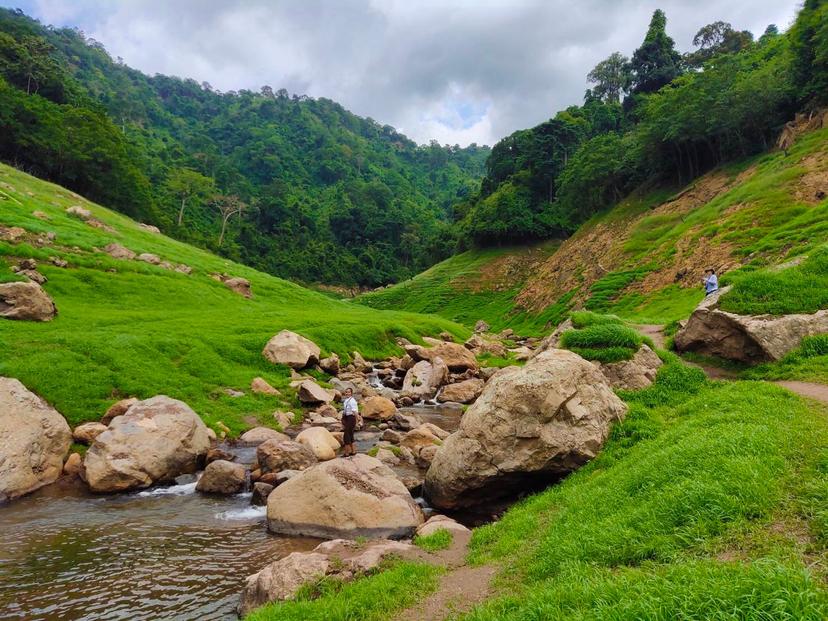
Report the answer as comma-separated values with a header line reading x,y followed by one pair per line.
x,y
291,349
462,392
311,392
745,338
26,301
222,477
454,355
634,374
153,442
278,455
479,346
35,440
424,379
378,407
320,441
339,559
117,251
257,435
239,285
531,425
346,497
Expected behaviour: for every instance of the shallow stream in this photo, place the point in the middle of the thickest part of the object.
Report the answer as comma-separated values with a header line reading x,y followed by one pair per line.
x,y
162,553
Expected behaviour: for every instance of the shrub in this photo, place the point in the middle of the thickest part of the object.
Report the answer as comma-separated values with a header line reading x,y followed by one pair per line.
x,y
603,342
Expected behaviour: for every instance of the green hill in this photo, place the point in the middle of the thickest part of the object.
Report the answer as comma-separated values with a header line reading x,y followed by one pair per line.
x,y
331,197
644,258
129,328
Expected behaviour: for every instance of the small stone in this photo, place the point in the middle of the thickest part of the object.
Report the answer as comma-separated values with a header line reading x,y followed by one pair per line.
x,y
260,493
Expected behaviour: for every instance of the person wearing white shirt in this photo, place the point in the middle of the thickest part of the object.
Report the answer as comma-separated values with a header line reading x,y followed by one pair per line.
x,y
350,412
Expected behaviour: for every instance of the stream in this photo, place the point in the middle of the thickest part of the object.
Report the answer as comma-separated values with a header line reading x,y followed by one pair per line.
x,y
161,553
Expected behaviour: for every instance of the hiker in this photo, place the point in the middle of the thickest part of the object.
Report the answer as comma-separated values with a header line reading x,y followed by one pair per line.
x,y
350,413
711,283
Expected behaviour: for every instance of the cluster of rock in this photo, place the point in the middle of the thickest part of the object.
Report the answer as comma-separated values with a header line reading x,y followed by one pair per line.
x,y
745,338
117,251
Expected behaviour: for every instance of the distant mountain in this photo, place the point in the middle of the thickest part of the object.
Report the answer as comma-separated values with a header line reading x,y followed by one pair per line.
x,y
325,195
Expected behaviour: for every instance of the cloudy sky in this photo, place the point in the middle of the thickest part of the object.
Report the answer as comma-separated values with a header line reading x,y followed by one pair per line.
x,y
458,71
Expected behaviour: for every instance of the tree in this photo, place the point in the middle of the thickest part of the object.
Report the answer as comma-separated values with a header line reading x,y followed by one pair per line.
x,y
611,77
228,206
656,63
715,39
187,184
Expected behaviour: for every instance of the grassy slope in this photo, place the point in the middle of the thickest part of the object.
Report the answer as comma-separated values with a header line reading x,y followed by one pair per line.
x,y
477,284
754,213
129,328
709,502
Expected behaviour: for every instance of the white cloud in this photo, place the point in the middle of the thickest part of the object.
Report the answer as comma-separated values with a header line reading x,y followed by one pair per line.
x,y
419,66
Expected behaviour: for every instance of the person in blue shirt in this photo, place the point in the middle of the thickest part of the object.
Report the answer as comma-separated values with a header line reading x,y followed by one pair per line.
x,y
711,283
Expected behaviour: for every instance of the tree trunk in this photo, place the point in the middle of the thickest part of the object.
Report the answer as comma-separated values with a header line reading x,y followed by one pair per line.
x,y
181,211
223,227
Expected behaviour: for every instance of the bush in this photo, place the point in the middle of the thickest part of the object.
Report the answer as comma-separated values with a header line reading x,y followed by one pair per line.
x,y
813,346
603,342
582,319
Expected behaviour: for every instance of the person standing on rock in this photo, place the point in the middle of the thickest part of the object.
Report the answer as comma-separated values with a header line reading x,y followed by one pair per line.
x,y
711,283
350,412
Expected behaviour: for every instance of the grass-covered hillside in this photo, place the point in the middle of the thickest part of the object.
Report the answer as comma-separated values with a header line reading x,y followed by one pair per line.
x,y
127,328
644,259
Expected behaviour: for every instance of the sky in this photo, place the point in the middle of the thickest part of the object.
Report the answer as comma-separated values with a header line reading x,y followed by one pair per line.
x,y
457,71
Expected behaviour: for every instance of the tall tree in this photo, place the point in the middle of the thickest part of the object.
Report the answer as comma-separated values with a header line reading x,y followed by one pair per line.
x,y
188,185
228,206
715,39
611,77
656,63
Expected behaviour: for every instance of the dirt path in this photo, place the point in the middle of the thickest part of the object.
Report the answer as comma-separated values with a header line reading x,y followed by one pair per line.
x,y
811,390
460,588
654,331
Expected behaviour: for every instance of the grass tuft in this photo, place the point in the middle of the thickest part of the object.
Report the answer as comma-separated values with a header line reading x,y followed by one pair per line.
x,y
440,539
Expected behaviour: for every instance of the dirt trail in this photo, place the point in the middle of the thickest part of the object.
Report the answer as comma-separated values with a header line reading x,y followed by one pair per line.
x,y
655,332
460,588
811,390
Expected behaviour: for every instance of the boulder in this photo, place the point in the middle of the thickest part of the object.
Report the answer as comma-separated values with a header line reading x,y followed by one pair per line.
x,y
426,455
87,432
118,409
320,441
292,350
257,435
456,357
531,425
418,438
407,421
387,457
34,276
745,338
35,441
330,365
360,364
153,442
378,408
73,465
481,326
117,251
260,493
26,301
634,374
149,228
260,386
424,379
480,346
389,435
76,211
346,497
339,559
148,257
240,286
222,477
311,392
441,522
462,392
218,453
278,455
284,419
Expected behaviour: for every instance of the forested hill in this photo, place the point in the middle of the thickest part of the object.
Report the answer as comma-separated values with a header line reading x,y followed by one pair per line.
x,y
308,190
655,119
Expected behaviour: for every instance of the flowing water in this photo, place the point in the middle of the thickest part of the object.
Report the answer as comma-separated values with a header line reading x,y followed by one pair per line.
x,y
163,553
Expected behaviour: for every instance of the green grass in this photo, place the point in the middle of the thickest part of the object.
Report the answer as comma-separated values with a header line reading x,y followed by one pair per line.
x,y
604,339
799,289
807,363
440,539
458,289
664,306
606,290
126,328
373,598
698,474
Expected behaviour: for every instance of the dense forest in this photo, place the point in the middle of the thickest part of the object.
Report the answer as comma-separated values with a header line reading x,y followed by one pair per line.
x,y
657,117
296,186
